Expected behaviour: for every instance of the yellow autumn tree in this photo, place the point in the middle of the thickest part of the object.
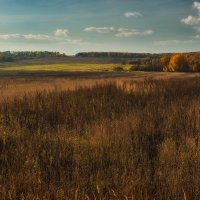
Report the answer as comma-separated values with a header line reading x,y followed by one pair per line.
x,y
164,61
178,63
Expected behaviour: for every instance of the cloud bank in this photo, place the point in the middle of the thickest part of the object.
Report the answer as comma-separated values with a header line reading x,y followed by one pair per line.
x,y
119,32
193,21
59,35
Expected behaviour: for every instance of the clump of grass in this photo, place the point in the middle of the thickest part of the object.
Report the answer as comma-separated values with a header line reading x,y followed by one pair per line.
x,y
135,140
119,69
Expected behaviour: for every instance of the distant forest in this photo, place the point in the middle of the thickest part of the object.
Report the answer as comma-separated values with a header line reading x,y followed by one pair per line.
x,y
186,62
118,55
9,56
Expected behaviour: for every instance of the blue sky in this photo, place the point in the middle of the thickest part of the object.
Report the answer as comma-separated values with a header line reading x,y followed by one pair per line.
x,y
71,26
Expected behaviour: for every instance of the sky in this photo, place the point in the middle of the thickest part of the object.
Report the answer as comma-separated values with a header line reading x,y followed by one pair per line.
x,y
72,26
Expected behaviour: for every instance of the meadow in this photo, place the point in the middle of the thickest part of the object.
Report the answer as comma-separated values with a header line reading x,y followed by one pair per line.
x,y
71,67
127,138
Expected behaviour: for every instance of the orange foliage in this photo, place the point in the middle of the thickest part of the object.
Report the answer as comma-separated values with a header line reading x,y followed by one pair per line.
x,y
178,63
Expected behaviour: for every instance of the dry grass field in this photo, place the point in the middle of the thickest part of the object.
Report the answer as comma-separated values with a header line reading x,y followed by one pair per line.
x,y
99,100
71,136
17,83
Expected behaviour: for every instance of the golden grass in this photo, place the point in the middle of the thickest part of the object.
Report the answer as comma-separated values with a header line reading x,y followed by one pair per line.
x,y
120,140
11,87
66,67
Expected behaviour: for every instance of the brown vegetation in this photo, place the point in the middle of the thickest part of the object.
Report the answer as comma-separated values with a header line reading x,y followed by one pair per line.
x,y
137,140
20,83
185,62
177,62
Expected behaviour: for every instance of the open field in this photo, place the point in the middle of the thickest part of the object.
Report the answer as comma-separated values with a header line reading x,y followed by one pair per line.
x,y
18,83
109,138
72,67
99,100
60,60
104,135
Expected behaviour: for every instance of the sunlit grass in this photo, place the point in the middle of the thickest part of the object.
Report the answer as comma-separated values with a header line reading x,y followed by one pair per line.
x,y
67,67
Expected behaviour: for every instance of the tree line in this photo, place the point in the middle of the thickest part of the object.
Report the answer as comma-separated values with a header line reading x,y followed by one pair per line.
x,y
14,55
117,55
178,62
185,62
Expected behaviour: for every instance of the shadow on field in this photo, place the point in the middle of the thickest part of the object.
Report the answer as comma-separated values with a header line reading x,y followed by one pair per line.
x,y
94,75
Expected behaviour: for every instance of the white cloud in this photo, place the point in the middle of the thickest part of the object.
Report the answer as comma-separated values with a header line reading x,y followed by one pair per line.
x,y
10,36
99,29
36,37
148,32
132,14
61,33
124,32
119,32
193,21
127,34
197,6
197,37
190,20
17,36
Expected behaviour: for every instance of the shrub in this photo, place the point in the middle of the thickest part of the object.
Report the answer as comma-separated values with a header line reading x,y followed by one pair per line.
x,y
119,69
